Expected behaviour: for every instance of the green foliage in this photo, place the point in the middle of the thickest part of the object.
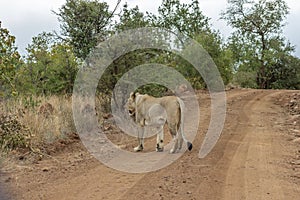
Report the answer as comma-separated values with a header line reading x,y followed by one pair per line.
x,y
285,73
261,18
63,70
221,55
31,103
84,23
153,89
244,53
187,19
51,67
256,54
283,68
179,18
121,65
131,18
183,67
245,79
13,134
257,43
10,61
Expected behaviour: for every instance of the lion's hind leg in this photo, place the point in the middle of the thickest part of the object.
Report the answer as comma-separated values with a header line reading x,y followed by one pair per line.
x,y
175,146
180,140
176,138
160,139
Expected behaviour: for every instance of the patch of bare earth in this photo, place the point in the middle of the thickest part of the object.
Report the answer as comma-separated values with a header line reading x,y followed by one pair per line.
x,y
256,157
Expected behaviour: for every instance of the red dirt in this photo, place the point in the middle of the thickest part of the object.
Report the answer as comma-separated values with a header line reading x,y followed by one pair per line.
x,y
257,157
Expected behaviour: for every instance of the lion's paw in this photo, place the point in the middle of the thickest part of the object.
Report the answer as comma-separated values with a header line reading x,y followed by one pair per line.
x,y
138,148
172,151
161,149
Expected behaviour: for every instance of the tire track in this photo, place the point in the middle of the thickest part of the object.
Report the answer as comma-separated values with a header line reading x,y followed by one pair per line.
x,y
251,174
243,164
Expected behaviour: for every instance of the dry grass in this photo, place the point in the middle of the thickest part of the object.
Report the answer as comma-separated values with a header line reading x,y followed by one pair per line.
x,y
45,126
50,121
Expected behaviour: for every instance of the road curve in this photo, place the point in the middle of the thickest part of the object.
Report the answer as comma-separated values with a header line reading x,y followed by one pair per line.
x,y
246,163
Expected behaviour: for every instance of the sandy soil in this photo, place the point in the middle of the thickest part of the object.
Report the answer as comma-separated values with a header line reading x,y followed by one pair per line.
x,y
257,157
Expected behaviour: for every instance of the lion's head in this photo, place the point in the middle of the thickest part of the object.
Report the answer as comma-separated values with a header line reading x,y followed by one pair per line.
x,y
131,104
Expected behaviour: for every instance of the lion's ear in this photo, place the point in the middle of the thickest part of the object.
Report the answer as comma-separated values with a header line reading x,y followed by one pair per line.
x,y
132,95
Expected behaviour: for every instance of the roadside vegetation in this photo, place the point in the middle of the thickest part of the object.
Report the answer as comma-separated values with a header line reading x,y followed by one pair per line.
x,y
36,89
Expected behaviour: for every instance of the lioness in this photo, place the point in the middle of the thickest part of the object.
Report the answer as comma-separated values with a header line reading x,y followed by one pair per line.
x,y
150,111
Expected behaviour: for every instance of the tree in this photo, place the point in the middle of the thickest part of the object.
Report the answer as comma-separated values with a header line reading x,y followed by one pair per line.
x,y
131,18
51,66
64,68
36,71
284,70
84,23
257,24
219,52
10,61
187,19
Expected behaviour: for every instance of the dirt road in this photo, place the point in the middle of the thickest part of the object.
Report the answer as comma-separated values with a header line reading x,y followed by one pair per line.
x,y
250,161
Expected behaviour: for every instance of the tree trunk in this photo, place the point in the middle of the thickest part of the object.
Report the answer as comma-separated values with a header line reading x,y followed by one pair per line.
x,y
261,75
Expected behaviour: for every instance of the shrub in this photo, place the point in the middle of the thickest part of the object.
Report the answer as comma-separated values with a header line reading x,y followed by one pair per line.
x,y
13,134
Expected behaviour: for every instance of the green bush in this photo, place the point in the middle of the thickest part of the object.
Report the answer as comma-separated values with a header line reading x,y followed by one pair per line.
x,y
13,134
245,79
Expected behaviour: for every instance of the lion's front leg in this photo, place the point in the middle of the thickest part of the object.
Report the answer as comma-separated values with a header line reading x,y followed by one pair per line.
x,y
140,147
160,140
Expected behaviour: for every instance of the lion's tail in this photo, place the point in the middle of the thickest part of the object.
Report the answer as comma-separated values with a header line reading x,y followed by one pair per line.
x,y
189,144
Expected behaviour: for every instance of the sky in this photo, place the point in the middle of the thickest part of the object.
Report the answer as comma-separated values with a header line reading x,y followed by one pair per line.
x,y
27,18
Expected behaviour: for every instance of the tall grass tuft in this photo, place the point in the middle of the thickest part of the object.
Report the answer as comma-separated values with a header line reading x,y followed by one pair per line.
x,y
36,121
